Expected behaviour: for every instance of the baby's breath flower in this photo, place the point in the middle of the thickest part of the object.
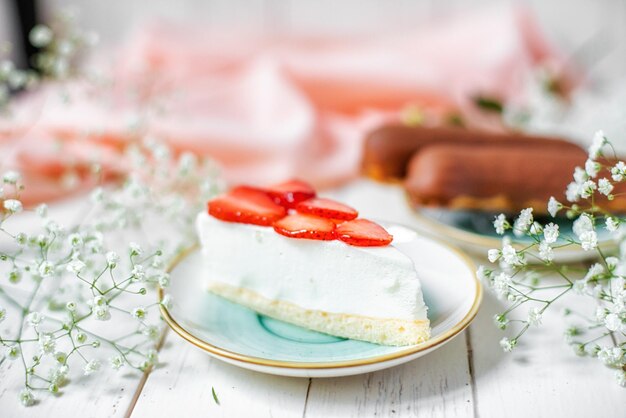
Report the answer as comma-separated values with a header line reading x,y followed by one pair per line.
x,y
21,239
13,205
71,306
546,253
595,149
580,175
536,228
587,188
166,302
81,337
116,362
571,332
75,240
510,256
580,286
589,240
26,397
11,177
47,343
551,233
501,321
58,374
493,255
611,356
34,318
523,221
594,271
611,263
483,274
572,193
164,279
554,206
15,275
152,356
76,266
618,171
500,224
138,273
112,259
612,224
152,332
13,352
613,322
135,249
60,357
592,168
91,367
534,316
40,36
139,313
46,268
42,210
501,283
582,224
604,186
507,344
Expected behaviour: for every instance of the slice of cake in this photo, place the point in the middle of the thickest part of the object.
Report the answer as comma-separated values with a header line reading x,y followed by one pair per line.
x,y
309,261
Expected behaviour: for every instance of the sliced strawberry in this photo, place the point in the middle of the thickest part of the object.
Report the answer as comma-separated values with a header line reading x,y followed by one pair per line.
x,y
246,205
306,226
363,233
290,193
327,208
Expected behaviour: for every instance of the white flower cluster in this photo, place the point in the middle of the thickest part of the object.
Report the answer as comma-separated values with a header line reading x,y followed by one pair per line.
x,y
517,280
100,271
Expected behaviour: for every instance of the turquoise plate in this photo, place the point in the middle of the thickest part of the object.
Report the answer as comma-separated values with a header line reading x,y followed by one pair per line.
x,y
239,336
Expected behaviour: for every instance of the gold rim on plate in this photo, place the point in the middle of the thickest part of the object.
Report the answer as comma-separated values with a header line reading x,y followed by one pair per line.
x,y
456,329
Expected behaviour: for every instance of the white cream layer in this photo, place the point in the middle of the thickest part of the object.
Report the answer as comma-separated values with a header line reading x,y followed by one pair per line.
x,y
331,276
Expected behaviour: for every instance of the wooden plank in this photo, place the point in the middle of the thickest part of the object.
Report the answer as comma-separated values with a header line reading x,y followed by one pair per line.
x,y
436,385
184,388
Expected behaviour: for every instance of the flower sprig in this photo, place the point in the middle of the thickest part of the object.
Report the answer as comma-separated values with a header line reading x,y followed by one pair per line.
x,y
60,285
527,275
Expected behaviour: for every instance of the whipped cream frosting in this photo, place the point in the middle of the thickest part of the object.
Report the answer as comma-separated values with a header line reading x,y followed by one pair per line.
x,y
331,276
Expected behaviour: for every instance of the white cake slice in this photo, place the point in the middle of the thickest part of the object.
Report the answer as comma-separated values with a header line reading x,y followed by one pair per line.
x,y
364,293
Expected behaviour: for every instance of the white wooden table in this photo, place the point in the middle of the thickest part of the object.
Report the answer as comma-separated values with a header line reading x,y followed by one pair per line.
x,y
468,377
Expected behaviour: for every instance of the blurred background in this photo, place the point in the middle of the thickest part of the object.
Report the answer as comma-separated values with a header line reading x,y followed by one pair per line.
x,y
595,30
277,88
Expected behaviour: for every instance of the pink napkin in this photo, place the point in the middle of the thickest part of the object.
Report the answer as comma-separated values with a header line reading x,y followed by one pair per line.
x,y
270,109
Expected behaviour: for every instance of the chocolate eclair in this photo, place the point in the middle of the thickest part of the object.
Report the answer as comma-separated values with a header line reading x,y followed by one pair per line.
x,y
388,149
505,177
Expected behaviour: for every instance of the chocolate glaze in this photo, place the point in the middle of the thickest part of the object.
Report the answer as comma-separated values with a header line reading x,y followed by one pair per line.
x,y
389,148
506,176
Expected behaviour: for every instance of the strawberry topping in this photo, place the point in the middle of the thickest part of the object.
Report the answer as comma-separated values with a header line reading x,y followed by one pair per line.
x,y
246,205
363,233
327,208
290,193
306,226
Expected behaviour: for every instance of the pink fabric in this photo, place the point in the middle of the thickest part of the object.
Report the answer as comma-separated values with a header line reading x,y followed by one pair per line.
x,y
270,109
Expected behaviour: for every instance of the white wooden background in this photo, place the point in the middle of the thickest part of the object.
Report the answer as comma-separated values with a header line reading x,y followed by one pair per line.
x,y
469,377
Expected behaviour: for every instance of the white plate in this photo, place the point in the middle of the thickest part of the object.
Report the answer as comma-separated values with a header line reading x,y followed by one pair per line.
x,y
241,337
